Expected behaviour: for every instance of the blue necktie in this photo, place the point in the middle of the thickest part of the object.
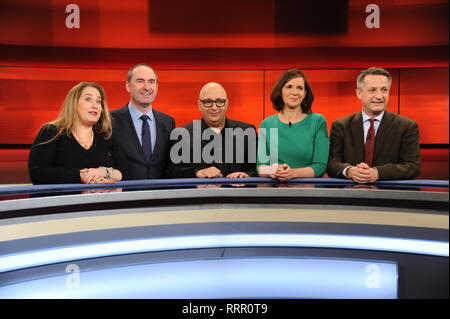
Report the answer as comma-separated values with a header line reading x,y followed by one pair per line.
x,y
146,137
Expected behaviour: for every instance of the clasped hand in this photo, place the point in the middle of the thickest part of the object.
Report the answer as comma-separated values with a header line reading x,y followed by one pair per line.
x,y
363,173
283,173
94,176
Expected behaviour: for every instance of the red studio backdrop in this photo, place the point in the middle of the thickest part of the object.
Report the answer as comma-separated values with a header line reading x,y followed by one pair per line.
x,y
47,46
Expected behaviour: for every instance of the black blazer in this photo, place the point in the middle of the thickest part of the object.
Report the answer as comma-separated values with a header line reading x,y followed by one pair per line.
x,y
126,140
246,164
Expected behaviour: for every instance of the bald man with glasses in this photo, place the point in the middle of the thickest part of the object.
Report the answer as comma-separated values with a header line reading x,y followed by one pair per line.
x,y
214,146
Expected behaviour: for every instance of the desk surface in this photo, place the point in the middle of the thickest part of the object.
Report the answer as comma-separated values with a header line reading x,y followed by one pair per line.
x,y
137,225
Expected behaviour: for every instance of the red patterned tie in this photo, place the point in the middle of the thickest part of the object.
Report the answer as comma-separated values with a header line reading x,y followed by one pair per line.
x,y
370,143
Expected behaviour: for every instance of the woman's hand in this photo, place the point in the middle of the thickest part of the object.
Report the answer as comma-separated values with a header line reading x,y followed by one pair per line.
x,y
99,175
268,171
92,175
285,172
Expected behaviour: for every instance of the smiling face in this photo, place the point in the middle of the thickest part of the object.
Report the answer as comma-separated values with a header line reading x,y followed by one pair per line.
x,y
89,106
293,92
213,114
143,87
374,94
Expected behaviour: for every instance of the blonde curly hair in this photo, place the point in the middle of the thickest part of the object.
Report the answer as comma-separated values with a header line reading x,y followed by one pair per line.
x,y
66,118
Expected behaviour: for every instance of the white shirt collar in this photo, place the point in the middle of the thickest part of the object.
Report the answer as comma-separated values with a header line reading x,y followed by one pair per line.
x,y
366,117
136,114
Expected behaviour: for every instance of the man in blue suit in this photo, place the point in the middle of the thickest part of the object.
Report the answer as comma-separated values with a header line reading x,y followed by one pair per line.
x,y
139,131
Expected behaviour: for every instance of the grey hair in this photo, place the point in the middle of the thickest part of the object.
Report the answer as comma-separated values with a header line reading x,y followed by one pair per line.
x,y
372,71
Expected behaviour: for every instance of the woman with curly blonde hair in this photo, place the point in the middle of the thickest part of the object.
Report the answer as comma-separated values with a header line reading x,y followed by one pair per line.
x,y
76,147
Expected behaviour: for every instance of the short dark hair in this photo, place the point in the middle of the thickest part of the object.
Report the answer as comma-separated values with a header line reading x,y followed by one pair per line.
x,y
277,98
130,71
372,71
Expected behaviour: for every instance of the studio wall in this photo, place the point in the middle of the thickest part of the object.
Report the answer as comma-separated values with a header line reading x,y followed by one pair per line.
x,y
47,46
32,96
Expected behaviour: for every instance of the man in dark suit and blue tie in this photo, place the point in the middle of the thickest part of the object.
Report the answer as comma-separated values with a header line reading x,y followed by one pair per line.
x,y
139,131
374,144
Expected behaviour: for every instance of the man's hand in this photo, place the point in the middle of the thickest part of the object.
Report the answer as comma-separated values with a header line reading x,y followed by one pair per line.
x,y
237,175
363,173
210,172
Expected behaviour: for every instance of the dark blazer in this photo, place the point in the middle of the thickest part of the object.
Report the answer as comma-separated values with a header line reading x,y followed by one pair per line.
x,y
397,148
125,138
246,164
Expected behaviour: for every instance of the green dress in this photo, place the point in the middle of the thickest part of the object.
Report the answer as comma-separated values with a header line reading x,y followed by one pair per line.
x,y
303,144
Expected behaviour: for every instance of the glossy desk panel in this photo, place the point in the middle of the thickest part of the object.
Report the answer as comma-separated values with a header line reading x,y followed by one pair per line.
x,y
178,222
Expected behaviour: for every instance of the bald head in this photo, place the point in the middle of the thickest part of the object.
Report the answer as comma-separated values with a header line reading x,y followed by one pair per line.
x,y
213,103
212,90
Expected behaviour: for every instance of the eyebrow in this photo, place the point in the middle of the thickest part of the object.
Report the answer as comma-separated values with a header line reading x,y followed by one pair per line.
x,y
298,85
98,96
142,79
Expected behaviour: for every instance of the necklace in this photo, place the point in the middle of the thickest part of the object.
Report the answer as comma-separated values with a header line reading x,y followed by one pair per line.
x,y
86,145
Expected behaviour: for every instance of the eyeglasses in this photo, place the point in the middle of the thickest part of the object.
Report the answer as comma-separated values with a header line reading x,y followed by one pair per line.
x,y
218,102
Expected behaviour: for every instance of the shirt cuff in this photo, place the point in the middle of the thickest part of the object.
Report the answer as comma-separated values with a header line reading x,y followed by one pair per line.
x,y
344,172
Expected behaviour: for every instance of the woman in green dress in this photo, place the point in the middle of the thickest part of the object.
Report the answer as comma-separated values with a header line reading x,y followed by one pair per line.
x,y
293,143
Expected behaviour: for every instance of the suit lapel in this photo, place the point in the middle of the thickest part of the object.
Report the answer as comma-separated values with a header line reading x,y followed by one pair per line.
x,y
358,136
128,123
159,132
383,133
